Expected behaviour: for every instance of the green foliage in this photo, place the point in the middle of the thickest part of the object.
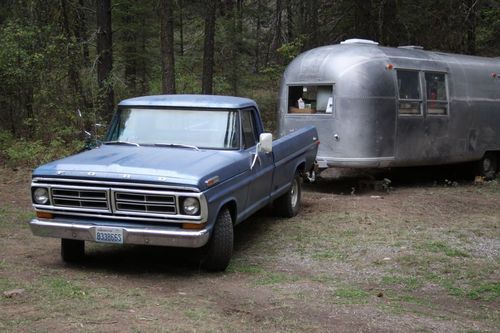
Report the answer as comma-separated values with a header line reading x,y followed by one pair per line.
x,y
32,153
25,153
292,49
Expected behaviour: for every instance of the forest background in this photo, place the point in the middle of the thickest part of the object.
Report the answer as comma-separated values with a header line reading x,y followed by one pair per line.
x,y
58,57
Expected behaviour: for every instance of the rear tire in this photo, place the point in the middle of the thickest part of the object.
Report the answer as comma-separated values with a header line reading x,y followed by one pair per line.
x,y
288,204
219,249
72,250
487,166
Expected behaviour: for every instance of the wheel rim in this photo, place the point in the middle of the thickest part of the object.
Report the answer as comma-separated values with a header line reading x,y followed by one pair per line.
x,y
294,193
486,164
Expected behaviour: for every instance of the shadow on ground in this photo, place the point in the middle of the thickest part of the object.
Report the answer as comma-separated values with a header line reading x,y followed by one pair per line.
x,y
140,259
350,181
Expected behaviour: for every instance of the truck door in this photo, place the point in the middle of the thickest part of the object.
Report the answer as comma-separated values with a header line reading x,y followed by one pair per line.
x,y
261,175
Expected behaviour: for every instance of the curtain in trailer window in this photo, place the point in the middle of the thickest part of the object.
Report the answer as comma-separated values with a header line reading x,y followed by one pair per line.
x,y
436,94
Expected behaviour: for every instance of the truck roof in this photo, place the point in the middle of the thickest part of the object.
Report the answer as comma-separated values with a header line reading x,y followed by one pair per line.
x,y
197,101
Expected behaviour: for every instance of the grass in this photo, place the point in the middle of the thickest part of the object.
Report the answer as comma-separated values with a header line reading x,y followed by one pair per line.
x,y
241,266
7,284
352,295
442,247
274,278
58,287
487,291
336,255
196,314
407,283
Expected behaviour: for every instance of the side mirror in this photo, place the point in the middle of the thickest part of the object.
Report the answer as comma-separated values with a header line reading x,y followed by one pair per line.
x,y
266,142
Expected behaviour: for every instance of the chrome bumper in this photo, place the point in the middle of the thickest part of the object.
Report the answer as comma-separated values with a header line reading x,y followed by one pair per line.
x,y
147,235
369,162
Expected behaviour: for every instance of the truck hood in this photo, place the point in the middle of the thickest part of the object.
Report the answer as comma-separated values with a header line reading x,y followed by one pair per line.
x,y
163,165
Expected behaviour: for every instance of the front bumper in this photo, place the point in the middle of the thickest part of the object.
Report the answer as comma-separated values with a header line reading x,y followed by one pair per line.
x,y
142,235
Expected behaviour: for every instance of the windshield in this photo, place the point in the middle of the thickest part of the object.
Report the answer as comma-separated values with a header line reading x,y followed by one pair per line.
x,y
201,129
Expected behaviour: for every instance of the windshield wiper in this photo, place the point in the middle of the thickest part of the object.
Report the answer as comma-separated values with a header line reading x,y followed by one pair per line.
x,y
117,142
176,145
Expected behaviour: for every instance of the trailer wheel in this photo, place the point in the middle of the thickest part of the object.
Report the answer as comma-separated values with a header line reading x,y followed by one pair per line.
x,y
288,205
218,251
72,250
487,166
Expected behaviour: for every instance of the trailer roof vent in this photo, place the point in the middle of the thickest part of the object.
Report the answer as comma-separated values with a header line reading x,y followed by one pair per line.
x,y
411,47
359,41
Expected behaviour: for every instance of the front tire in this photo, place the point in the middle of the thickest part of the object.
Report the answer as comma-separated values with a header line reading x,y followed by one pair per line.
x,y
72,250
219,249
487,166
288,205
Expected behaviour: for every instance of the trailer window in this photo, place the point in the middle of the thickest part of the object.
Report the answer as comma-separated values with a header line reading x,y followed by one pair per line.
x,y
410,98
309,99
437,99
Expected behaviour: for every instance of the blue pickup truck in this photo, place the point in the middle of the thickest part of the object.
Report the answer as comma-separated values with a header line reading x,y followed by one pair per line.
x,y
174,170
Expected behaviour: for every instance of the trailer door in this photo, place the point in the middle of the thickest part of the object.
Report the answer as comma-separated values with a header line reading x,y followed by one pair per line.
x,y
423,118
436,123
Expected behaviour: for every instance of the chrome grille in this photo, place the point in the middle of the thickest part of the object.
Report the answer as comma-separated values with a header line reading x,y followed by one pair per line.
x,y
134,202
80,198
144,203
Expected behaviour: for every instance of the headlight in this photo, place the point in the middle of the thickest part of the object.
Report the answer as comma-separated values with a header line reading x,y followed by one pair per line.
x,y
190,206
41,195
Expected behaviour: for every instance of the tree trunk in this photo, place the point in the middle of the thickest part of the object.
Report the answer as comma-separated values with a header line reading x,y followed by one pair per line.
x,y
73,68
276,43
470,24
104,58
257,37
181,27
208,52
363,23
142,60
81,33
167,47
236,31
130,53
388,25
289,20
312,24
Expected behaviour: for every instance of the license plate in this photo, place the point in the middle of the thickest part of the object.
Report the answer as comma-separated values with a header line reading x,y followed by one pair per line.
x,y
109,235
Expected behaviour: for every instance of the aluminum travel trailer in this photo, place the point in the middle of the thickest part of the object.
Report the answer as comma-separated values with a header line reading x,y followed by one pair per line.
x,y
377,107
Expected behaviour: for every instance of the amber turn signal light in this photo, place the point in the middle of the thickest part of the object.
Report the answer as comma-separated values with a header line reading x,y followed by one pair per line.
x,y
44,215
196,226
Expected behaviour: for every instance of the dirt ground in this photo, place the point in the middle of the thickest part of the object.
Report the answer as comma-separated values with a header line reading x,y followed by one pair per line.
x,y
421,253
